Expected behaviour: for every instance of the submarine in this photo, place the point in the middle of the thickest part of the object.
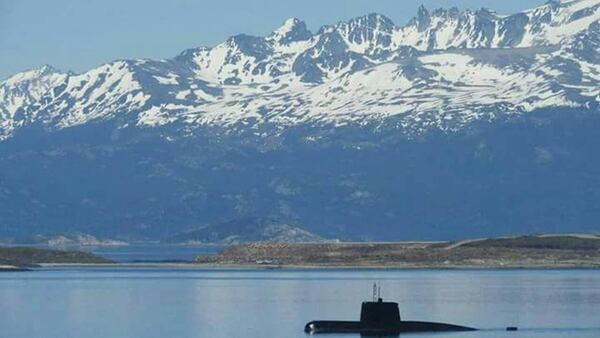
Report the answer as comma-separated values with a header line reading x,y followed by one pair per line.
x,y
380,318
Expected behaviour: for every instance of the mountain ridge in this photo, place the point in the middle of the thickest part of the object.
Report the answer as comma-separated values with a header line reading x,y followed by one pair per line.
x,y
344,132
247,230
254,75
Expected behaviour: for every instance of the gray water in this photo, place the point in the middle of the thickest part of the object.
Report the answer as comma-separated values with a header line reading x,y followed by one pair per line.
x,y
152,303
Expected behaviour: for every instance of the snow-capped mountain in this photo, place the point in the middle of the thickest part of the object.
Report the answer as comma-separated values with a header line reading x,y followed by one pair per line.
x,y
444,69
457,124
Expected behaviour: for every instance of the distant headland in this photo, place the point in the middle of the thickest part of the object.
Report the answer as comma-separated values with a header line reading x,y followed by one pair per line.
x,y
542,251
23,258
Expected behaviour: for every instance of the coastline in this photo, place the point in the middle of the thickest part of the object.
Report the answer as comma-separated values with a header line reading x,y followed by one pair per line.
x,y
224,266
12,268
545,252
500,253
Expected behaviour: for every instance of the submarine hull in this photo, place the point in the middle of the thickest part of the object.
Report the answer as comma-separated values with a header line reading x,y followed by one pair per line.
x,y
414,326
330,326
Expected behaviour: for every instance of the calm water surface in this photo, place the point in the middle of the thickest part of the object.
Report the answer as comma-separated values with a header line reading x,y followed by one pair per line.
x,y
149,303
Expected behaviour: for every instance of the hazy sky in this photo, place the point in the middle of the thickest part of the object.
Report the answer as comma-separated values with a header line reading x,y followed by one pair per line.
x,y
80,34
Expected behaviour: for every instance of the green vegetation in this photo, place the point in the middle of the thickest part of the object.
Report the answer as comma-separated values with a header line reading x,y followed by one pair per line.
x,y
28,257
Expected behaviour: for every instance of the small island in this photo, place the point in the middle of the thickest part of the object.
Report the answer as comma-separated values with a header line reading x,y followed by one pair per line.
x,y
23,258
544,251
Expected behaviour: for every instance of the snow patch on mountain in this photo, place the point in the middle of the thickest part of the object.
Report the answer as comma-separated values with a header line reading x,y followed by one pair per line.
x,y
21,94
445,69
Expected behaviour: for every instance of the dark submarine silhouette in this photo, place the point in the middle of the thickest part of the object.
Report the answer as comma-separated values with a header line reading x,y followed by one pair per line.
x,y
380,318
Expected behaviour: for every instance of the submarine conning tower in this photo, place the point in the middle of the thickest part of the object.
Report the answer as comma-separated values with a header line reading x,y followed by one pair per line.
x,y
379,313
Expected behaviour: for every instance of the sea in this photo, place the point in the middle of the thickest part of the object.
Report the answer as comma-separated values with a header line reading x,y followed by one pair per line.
x,y
165,302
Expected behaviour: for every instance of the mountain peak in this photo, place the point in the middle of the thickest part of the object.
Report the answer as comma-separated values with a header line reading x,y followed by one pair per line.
x,y
46,69
32,74
485,12
371,20
292,30
291,54
423,18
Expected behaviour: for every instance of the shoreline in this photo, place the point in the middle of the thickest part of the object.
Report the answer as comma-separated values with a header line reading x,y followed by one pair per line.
x,y
502,253
203,266
497,253
13,268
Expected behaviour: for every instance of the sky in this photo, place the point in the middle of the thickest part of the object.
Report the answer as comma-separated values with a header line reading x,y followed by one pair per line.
x,y
78,35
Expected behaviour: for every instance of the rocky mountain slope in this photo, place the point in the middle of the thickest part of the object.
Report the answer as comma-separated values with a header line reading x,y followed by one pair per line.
x,y
66,240
457,121
247,230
